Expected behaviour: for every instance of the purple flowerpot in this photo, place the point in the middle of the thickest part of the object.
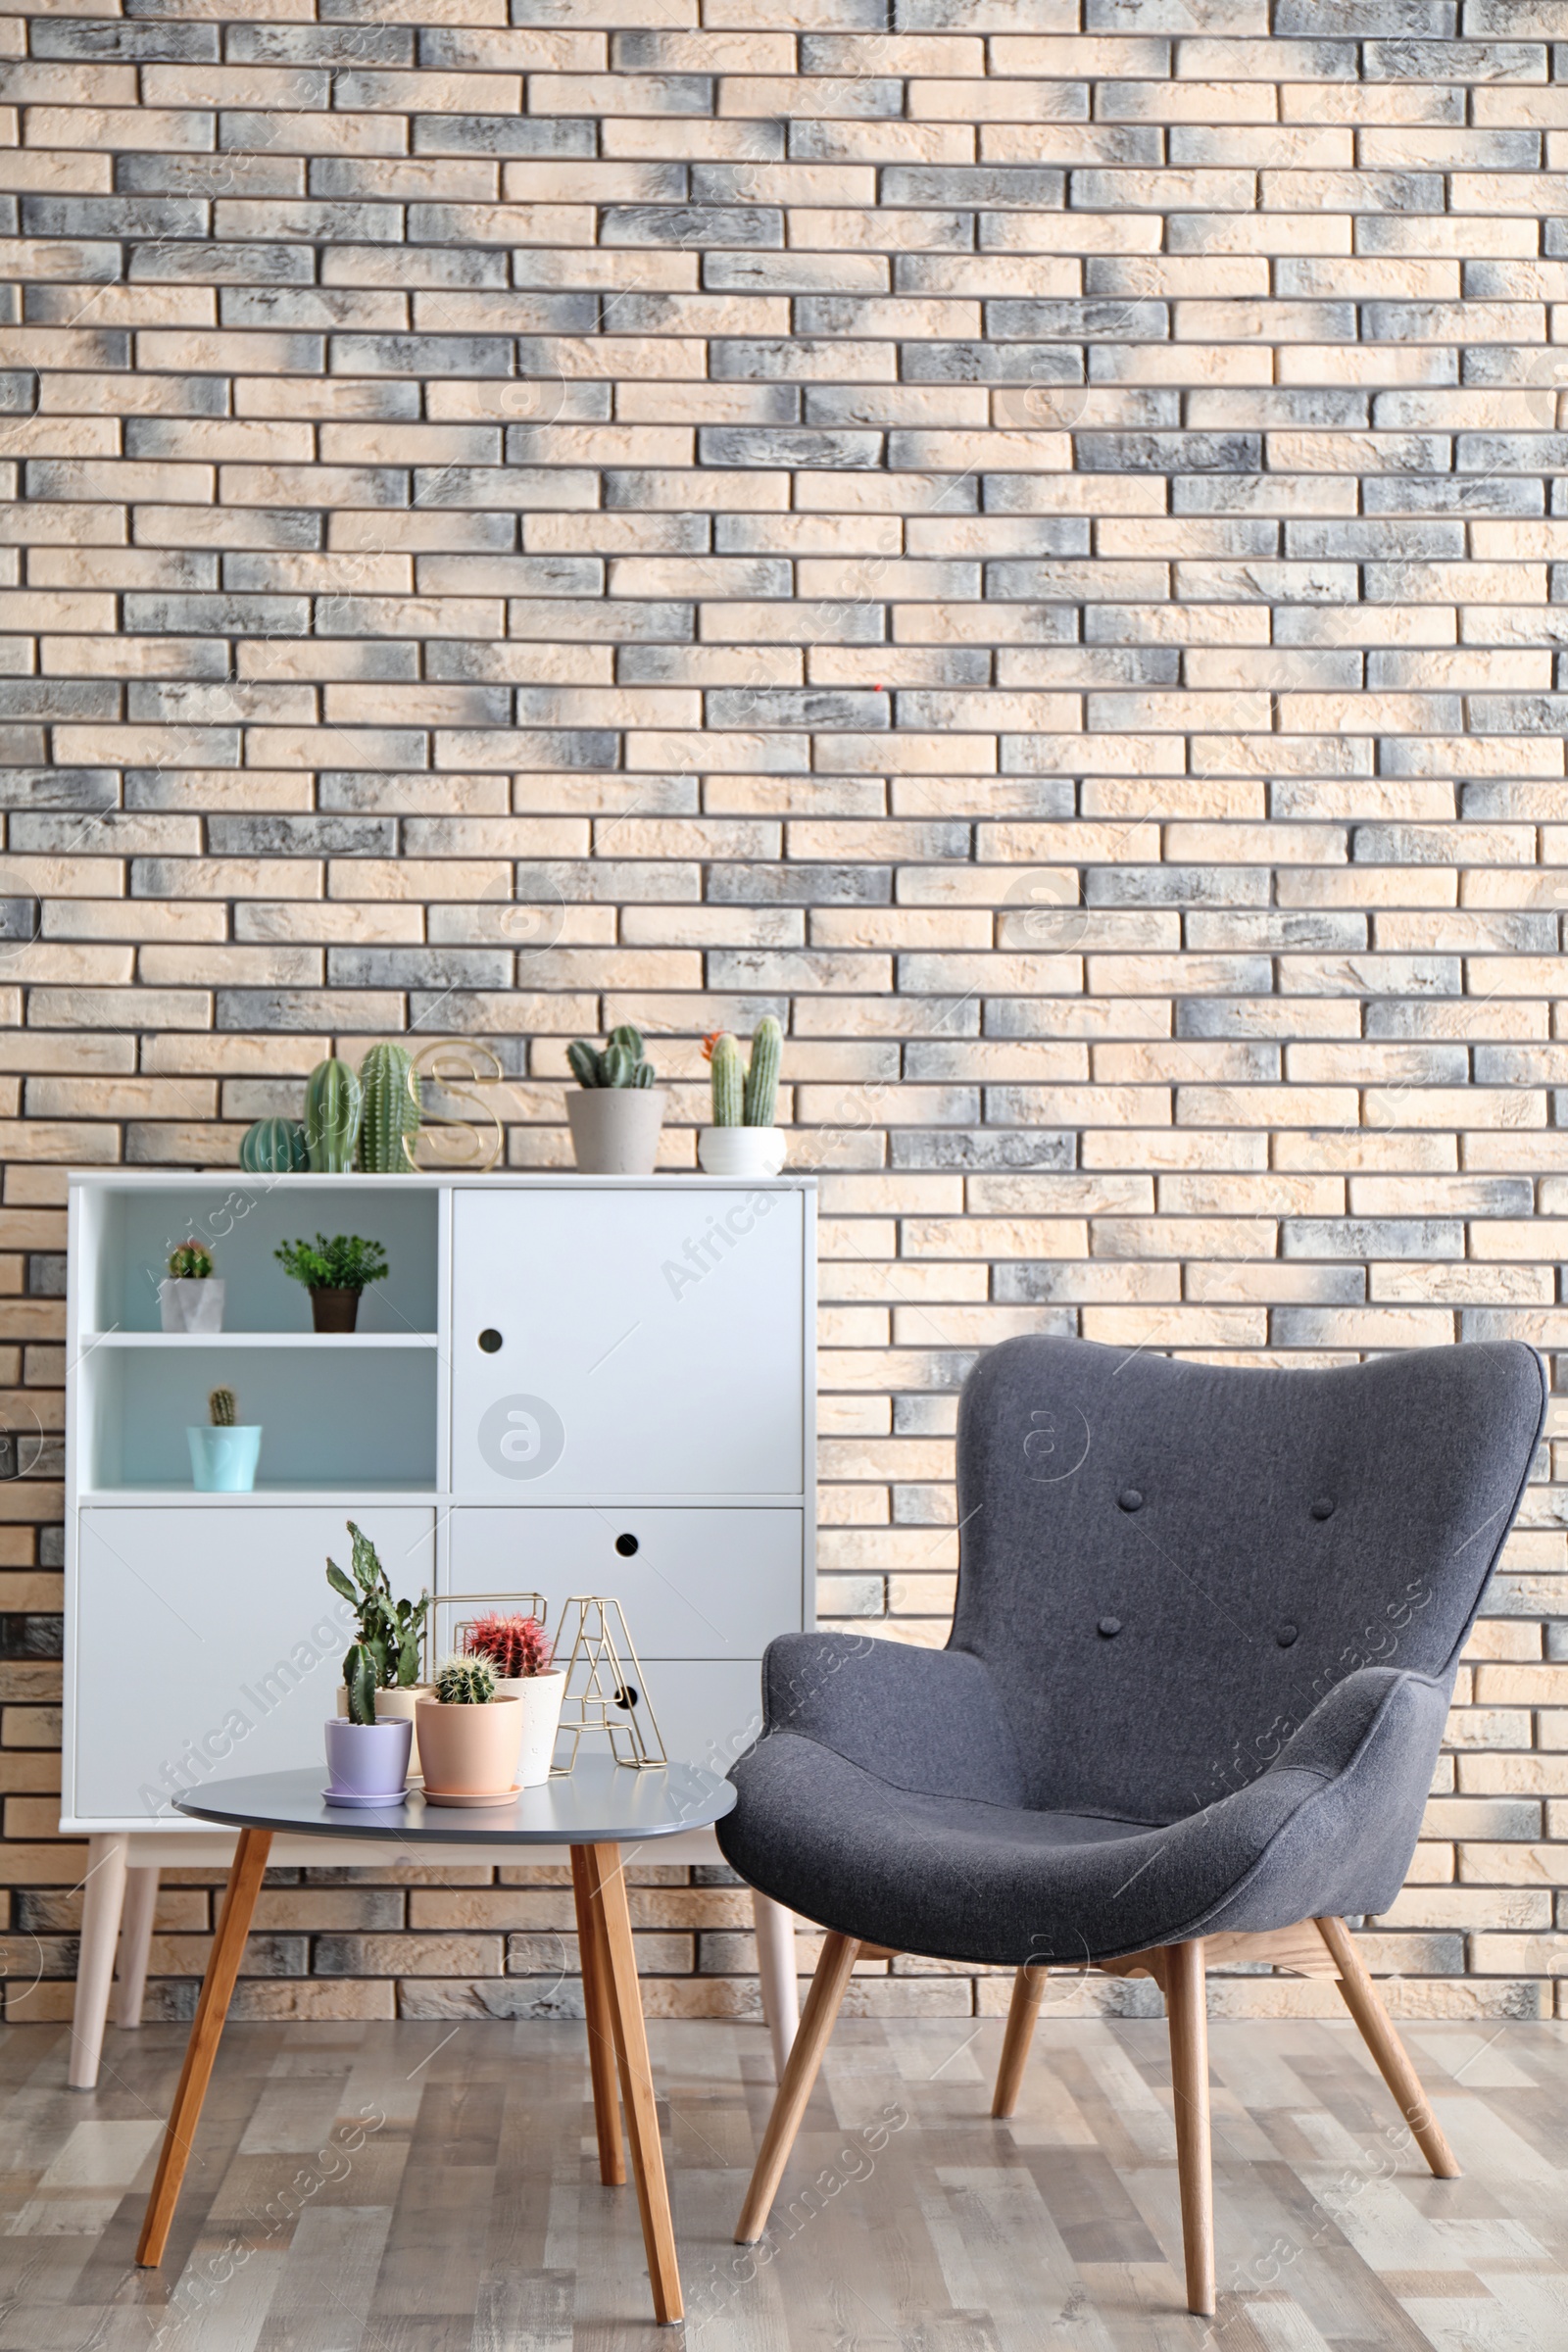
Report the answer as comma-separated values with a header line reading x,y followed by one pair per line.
x,y
367,1763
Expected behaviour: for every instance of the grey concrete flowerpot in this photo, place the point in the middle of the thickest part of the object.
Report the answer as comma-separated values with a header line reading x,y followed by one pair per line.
x,y
615,1129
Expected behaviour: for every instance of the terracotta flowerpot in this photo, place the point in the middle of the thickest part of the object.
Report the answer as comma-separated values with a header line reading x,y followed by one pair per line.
x,y
335,1310
395,1706
470,1753
615,1129
540,1696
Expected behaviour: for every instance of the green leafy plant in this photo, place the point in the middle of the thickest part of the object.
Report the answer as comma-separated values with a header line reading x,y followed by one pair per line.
x,y
343,1263
620,1063
513,1645
222,1409
746,1100
191,1262
387,1648
464,1682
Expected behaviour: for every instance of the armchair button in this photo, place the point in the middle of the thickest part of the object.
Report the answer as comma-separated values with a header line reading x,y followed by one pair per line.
x,y
1130,1500
1323,1508
1285,1636
1110,1626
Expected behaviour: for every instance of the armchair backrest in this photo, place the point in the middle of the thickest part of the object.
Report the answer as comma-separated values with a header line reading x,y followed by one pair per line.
x,y
1166,1565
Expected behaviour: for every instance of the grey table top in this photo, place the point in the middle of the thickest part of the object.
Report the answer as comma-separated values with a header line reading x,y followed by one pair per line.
x,y
600,1803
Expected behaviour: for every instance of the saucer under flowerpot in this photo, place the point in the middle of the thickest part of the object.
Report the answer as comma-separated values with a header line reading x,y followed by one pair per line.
x,y
395,1705
222,1461
367,1763
615,1129
741,1150
540,1696
335,1310
186,1306
470,1754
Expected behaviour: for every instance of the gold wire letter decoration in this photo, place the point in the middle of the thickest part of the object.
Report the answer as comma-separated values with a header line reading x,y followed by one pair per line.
x,y
605,1690
459,1071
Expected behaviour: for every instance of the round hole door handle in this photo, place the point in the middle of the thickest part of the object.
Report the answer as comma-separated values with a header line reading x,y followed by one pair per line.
x,y
626,1545
625,1697
490,1342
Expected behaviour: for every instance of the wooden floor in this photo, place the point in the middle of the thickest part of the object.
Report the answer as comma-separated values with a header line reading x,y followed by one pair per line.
x,y
430,2187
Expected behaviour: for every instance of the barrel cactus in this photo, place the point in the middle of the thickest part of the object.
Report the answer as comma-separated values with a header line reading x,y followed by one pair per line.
x,y
762,1077
515,1646
724,1068
331,1117
389,1120
273,1147
464,1682
191,1262
222,1409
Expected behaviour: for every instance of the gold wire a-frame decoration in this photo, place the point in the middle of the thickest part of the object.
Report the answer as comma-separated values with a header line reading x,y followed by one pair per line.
x,y
604,1688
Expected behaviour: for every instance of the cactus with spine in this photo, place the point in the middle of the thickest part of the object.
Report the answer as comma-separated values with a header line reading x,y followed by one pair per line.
x,y
222,1409
360,1682
191,1262
620,1063
273,1147
464,1682
515,1646
331,1117
745,1099
389,1118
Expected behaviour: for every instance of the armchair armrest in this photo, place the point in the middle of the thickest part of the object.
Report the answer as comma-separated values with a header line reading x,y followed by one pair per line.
x,y
926,1720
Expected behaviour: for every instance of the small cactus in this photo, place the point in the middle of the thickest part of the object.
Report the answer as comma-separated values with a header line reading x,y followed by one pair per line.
x,y
360,1680
513,1645
273,1147
620,1063
331,1117
724,1068
222,1409
464,1682
191,1262
389,1118
761,1078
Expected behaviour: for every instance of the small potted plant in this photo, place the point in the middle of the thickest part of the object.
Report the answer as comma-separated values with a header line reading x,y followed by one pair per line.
x,y
519,1652
470,1737
743,1140
617,1111
191,1299
224,1455
334,1272
367,1753
388,1635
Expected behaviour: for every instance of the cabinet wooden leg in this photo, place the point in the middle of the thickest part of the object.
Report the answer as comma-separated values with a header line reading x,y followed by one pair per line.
x,y
608,1885
1187,2006
1365,2005
135,1940
102,1896
218,1986
775,1970
1028,1985
818,2020
601,2027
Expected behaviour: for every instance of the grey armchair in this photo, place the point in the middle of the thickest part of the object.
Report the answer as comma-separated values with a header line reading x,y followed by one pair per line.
x,y
1207,1630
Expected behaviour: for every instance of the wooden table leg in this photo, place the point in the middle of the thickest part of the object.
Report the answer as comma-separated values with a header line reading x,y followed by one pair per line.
x,y
217,1986
601,2025
608,1890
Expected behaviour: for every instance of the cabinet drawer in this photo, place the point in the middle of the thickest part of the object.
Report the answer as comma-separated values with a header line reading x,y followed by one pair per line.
x,y
208,1642
710,1584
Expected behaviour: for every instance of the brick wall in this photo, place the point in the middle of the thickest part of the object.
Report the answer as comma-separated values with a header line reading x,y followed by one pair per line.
x,y
1029,547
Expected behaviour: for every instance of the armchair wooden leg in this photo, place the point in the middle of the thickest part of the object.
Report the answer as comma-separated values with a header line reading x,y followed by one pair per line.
x,y
822,2004
1393,2060
1027,1987
1187,2007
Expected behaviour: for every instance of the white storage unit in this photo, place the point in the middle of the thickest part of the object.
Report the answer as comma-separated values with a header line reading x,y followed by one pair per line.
x,y
566,1383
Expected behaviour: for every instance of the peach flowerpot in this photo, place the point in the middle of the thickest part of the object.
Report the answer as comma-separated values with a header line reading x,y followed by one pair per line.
x,y
470,1751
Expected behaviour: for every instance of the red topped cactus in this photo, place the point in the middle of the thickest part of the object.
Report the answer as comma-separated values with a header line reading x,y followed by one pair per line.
x,y
515,1646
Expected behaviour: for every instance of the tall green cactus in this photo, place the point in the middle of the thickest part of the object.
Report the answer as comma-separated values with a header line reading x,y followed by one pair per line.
x,y
761,1078
273,1147
360,1682
724,1068
331,1117
222,1409
390,1112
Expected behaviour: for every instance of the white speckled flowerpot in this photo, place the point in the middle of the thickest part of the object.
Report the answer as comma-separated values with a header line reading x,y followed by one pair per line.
x,y
741,1150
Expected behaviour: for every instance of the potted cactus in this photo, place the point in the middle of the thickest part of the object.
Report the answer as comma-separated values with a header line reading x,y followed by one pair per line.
x,y
367,1755
469,1737
519,1652
388,1636
334,1272
224,1455
743,1140
617,1111
191,1298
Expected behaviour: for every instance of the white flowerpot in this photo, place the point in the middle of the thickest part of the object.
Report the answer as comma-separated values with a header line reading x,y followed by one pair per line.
x,y
541,1695
191,1305
741,1150
395,1706
615,1129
